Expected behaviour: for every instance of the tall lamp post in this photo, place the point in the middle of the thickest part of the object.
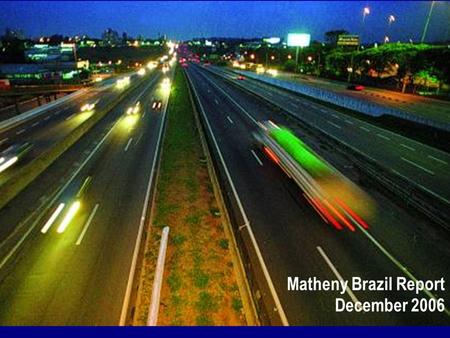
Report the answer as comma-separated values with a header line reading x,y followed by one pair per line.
x,y
366,11
425,28
391,19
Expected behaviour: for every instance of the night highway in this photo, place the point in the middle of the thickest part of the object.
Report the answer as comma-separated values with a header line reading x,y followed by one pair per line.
x,y
225,164
66,267
291,235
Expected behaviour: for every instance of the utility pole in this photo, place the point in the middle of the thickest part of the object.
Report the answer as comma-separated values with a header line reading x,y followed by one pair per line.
x,y
425,28
296,58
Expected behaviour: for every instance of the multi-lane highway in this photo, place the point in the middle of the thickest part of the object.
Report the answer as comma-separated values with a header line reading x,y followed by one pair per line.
x,y
424,165
293,239
70,239
52,124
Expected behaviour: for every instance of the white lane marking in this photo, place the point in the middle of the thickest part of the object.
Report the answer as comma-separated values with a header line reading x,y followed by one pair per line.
x,y
20,131
128,144
399,265
246,225
324,111
418,166
46,118
424,188
382,136
337,274
336,117
217,102
231,99
292,104
229,119
35,124
126,297
437,159
60,191
52,218
407,147
334,124
365,129
4,140
349,122
68,118
256,157
86,226
138,139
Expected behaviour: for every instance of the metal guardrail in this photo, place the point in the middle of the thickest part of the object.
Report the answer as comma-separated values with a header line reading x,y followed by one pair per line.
x,y
354,104
400,186
263,299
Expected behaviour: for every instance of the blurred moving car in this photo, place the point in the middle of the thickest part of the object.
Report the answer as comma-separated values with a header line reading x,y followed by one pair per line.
x,y
88,107
134,109
240,77
336,199
355,87
157,104
11,153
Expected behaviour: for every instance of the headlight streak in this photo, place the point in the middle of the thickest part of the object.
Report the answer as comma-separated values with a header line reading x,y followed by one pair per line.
x,y
52,218
69,216
8,163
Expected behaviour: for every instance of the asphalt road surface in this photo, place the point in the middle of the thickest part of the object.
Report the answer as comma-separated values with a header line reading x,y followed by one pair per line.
x,y
55,123
295,241
426,166
79,274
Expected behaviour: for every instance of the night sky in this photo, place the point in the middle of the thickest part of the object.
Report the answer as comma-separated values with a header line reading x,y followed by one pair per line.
x,y
184,20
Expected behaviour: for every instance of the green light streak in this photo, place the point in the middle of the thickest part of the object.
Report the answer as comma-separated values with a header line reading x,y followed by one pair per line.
x,y
300,152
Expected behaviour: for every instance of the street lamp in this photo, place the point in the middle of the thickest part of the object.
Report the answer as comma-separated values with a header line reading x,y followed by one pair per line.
x,y
366,12
391,19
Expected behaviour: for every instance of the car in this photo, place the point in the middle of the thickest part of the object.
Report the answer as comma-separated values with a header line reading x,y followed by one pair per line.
x,y
355,87
240,77
87,107
11,153
157,104
134,109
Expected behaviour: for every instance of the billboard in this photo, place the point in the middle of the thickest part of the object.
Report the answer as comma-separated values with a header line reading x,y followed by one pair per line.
x,y
348,40
298,40
272,40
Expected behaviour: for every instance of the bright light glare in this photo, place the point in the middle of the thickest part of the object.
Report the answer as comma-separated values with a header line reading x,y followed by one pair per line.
x,y
87,107
151,65
2,159
52,219
8,163
69,216
141,72
298,40
165,84
272,72
260,70
121,83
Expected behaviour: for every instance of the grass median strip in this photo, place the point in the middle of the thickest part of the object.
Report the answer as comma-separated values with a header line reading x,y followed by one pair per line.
x,y
199,285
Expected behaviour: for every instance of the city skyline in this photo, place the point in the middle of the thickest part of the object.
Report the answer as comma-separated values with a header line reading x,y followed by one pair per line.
x,y
229,19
